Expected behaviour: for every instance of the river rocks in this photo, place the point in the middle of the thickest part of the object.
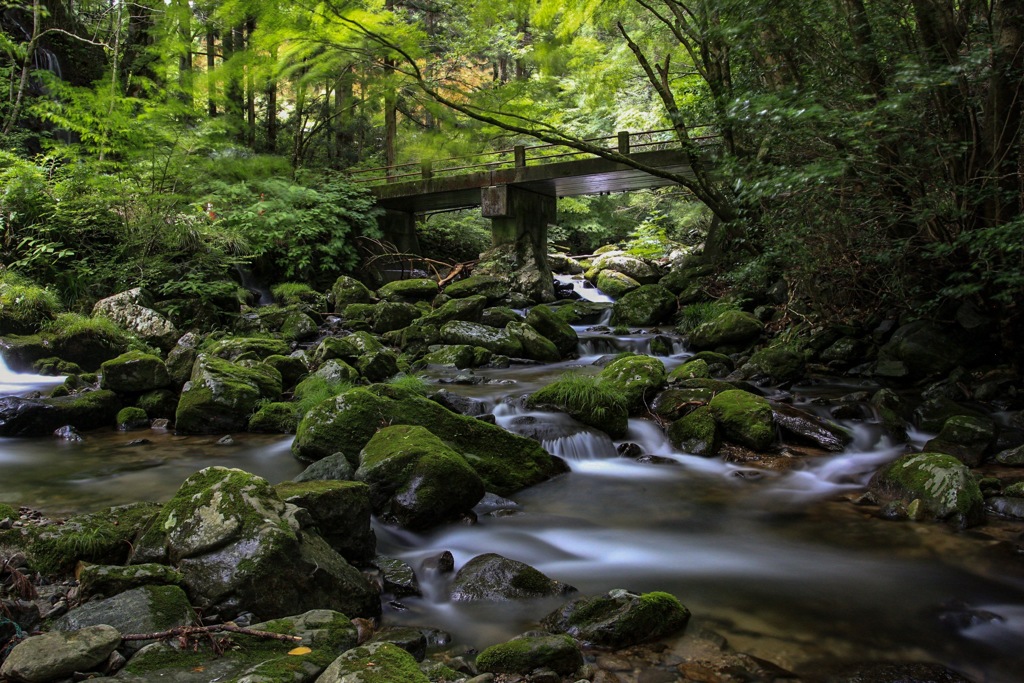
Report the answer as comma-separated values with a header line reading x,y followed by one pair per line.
x,y
134,372
931,485
390,315
413,289
534,345
696,433
521,268
730,330
585,400
966,437
923,348
886,672
476,334
181,358
221,395
56,655
776,363
810,429
105,579
347,290
493,578
615,284
1011,457
531,651
147,609
239,548
469,309
634,378
40,417
415,479
644,306
619,618
636,269
505,462
546,321
744,418
1006,506
236,349
341,512
459,356
374,662
491,288
133,311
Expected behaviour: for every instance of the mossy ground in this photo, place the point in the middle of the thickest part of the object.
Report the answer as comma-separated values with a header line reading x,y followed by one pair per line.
x,y
587,400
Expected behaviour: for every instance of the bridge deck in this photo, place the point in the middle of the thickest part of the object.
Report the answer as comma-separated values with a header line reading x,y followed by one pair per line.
x,y
559,179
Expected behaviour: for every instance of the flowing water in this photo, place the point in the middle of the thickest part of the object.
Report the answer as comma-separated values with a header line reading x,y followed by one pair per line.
x,y
782,564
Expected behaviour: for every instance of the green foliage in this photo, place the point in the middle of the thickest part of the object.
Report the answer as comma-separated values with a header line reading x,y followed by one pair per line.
x,y
314,390
68,325
694,315
410,383
297,230
287,293
582,394
24,306
457,236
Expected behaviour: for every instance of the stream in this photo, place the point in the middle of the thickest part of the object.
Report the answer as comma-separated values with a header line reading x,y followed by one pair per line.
x,y
782,564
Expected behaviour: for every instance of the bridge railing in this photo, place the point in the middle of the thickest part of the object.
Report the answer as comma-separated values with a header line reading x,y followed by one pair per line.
x,y
520,156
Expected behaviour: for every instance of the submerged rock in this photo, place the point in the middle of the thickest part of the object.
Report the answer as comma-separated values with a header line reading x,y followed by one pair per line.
x,y
493,578
619,618
807,428
41,417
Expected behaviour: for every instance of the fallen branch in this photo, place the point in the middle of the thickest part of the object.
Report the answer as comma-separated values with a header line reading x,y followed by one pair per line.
x,y
186,631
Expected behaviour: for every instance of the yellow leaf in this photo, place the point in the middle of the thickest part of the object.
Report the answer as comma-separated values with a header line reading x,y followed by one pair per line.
x,y
300,651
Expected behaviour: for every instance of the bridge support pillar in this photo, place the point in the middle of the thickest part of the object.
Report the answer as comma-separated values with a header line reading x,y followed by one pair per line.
x,y
519,239
399,228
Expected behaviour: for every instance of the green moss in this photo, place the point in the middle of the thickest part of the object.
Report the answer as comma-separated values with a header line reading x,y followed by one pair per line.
x,y
132,418
8,512
694,315
635,378
315,389
291,293
696,433
411,383
24,307
694,369
744,418
526,653
54,366
68,325
105,537
942,483
275,418
586,400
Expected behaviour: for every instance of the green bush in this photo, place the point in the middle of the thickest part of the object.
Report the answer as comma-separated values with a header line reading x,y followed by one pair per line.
x,y
692,316
314,390
24,306
458,236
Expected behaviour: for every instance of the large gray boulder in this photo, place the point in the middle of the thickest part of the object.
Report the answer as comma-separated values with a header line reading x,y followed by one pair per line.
x,y
133,311
40,417
931,486
56,655
239,548
729,330
493,578
619,618
474,334
221,395
341,511
637,269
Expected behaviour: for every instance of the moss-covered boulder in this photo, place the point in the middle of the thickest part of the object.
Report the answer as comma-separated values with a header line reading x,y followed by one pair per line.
x,y
220,396
672,404
635,378
411,290
298,326
931,485
585,400
86,341
240,548
106,579
535,346
803,427
486,286
292,368
134,372
348,290
246,348
966,437
475,334
615,284
334,466
341,511
374,663
644,272
159,403
505,462
469,309
336,348
744,418
647,305
531,651
40,417
729,330
146,609
56,655
393,315
181,358
459,356
415,479
277,417
776,363
924,348
131,418
133,310
619,618
546,321
493,578
696,433
691,369
499,316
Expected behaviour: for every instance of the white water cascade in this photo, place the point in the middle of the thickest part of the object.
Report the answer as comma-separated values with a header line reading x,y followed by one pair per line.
x,y
12,383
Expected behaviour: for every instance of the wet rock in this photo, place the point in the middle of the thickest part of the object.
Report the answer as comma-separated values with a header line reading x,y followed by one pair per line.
x,y
615,284
619,618
491,288
247,348
274,418
341,512
776,363
340,348
810,429
399,579
100,579
1006,506
221,395
635,378
133,311
546,322
493,578
410,639
55,655
41,417
335,466
505,462
475,334
442,563
499,316
147,609
530,651
68,433
744,418
1012,457
463,405
460,356
942,484
292,368
966,437
691,369
374,662
731,329
585,400
415,479
696,433
640,270
335,371
131,418
240,548
134,372
347,290
885,672
535,346
390,315
924,348
411,290
673,404
644,306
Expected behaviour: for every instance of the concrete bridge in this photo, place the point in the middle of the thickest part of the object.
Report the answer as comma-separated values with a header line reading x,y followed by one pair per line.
x,y
518,188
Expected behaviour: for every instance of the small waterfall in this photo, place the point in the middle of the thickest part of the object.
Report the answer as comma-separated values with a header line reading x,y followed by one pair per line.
x,y
20,383
583,289
583,445
46,60
249,282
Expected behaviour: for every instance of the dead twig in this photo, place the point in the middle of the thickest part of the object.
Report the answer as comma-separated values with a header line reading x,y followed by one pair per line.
x,y
187,631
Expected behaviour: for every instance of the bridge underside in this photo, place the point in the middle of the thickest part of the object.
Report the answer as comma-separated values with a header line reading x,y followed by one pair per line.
x,y
561,179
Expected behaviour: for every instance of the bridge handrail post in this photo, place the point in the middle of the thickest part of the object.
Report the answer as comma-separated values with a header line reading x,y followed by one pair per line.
x,y
427,170
623,142
519,154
